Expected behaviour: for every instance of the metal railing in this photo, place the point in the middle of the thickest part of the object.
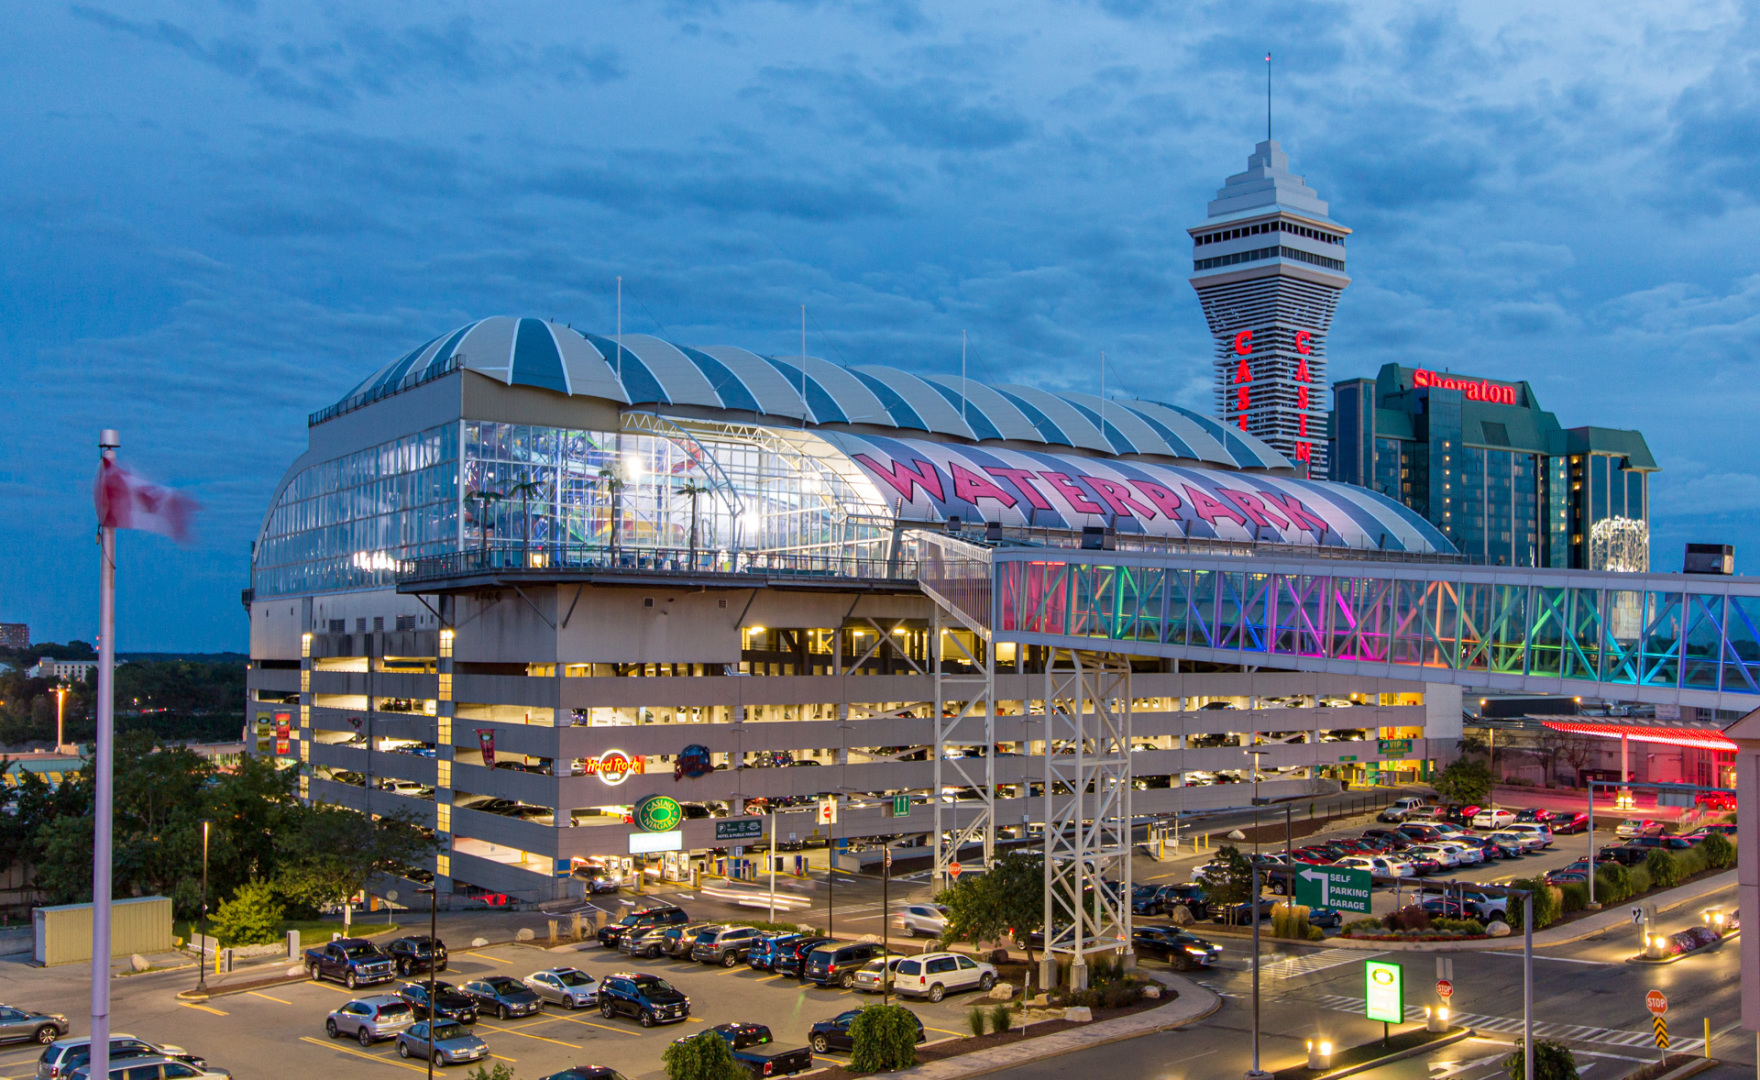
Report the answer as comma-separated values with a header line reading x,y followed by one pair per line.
x,y
548,560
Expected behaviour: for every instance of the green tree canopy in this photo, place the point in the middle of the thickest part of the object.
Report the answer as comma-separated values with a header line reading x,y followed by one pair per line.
x,y
335,851
1228,880
1008,899
703,1056
1465,782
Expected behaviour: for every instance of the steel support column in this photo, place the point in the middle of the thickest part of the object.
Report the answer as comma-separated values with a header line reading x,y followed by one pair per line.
x,y
965,716
1087,811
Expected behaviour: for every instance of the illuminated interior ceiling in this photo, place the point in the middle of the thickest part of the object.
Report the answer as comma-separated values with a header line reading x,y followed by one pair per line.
x,y
1705,738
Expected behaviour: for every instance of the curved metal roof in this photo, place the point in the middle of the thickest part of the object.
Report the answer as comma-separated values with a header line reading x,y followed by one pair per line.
x,y
646,370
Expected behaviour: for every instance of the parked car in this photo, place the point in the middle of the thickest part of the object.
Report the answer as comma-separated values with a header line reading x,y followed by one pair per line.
x,y
1537,829
649,998
138,1068
1567,822
586,1072
877,974
1635,827
1189,895
1624,854
1392,837
927,920
453,1043
933,975
654,916
833,1034
369,1019
1448,856
350,961
837,963
1325,917
724,945
448,1002
63,1056
1716,800
792,959
569,987
1182,950
753,1047
1534,813
1520,843
417,952
30,1025
505,997
766,948
1445,908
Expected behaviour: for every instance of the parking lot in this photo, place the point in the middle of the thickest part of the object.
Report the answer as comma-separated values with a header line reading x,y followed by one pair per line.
x,y
283,1027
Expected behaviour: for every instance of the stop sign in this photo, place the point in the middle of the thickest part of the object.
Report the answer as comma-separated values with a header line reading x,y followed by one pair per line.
x,y
953,870
1444,989
1657,1002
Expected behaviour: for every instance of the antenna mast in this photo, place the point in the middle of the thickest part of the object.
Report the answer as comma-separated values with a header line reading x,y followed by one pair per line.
x,y
803,367
964,390
1267,97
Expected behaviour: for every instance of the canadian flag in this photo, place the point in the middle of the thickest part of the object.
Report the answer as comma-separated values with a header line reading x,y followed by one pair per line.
x,y
125,501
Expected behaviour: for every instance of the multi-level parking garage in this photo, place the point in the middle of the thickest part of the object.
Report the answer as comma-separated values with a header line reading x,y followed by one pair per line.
x,y
524,577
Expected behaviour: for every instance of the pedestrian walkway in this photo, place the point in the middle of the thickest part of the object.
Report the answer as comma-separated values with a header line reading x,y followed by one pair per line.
x,y
1193,1004
1512,1025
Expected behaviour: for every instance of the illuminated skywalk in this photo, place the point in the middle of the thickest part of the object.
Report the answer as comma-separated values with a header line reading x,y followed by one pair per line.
x,y
1670,638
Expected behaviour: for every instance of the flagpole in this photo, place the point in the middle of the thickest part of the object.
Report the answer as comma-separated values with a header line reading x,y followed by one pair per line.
x,y
104,755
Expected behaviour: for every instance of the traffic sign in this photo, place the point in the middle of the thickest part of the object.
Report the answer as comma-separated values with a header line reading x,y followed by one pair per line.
x,y
827,810
1444,989
887,858
953,870
1661,1026
1384,998
1637,916
901,806
1657,1002
1340,887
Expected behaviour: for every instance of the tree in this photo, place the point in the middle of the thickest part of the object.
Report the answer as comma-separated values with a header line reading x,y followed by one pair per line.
x,y
1228,880
703,1056
694,490
1719,852
885,1038
1552,1061
614,485
336,851
499,1071
1009,899
1465,782
251,917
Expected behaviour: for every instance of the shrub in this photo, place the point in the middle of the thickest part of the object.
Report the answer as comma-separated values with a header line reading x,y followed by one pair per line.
x,y
1411,917
251,917
1640,878
1613,883
1470,927
1290,921
501,1071
1691,861
885,1038
1001,1016
1552,1061
975,1019
1364,926
1665,873
1718,851
1548,902
1316,934
1575,896
703,1056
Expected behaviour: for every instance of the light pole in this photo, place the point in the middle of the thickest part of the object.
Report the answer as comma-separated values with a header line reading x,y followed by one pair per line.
x,y
202,951
433,961
60,693
1256,754
1256,1073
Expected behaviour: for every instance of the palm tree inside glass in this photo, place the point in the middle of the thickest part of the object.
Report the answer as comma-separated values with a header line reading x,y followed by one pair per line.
x,y
525,489
614,485
693,489
481,502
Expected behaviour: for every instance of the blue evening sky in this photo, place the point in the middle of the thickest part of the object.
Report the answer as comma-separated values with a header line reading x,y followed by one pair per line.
x,y
218,216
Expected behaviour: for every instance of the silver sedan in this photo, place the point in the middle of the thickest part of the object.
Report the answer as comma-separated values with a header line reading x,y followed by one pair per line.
x,y
564,986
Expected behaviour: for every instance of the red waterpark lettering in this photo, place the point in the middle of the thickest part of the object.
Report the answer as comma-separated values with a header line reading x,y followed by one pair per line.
x,y
971,487
1022,479
904,479
1076,497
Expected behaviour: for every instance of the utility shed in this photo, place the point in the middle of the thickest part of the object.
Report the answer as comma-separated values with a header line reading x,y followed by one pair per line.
x,y
64,932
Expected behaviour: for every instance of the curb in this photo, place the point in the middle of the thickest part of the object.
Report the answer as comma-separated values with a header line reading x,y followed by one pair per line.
x,y
1690,1069
1411,1051
979,1068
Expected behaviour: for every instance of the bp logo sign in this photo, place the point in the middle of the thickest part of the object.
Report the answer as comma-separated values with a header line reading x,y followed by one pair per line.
x,y
658,813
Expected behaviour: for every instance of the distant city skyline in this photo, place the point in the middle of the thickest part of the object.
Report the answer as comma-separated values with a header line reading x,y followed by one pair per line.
x,y
222,220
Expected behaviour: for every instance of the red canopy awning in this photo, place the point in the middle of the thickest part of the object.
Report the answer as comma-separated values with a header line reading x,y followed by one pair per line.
x,y
1704,738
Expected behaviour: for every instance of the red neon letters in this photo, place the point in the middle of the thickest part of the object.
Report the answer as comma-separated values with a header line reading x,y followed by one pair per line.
x,y
1472,389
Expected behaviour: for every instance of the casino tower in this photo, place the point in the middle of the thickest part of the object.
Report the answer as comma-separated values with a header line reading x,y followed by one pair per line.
x,y
1268,265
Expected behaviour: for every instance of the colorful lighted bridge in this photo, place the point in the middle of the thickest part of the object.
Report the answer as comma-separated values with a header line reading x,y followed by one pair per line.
x,y
1670,638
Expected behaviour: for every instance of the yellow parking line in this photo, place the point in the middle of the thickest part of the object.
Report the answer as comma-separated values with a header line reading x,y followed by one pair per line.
x,y
204,1008
283,1001
540,1038
767,978
491,959
362,1054
943,1031
510,1061
330,986
589,1023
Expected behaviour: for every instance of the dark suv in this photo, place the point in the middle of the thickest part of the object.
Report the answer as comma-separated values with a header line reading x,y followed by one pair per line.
x,y
641,920
834,963
416,953
792,959
448,1002
765,950
649,998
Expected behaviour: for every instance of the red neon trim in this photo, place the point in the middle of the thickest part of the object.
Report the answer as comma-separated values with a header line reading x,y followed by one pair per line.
x,y
1701,738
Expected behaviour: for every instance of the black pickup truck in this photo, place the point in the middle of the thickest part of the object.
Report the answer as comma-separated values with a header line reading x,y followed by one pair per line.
x,y
350,961
752,1047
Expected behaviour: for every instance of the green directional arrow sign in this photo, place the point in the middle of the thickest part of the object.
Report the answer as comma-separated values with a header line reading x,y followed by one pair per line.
x,y
1339,887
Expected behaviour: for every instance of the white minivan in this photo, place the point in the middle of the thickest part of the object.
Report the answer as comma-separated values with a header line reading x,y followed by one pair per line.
x,y
932,975
1532,828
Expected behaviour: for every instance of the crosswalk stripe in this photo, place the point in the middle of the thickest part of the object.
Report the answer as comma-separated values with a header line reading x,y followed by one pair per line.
x,y
1507,1025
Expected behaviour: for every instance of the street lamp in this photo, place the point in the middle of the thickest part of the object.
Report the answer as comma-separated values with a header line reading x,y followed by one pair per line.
x,y
60,693
202,950
433,962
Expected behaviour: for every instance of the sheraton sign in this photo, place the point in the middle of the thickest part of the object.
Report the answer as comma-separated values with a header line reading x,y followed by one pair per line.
x,y
1471,389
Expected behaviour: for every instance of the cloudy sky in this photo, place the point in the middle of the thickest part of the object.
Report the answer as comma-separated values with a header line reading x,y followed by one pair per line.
x,y
218,216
